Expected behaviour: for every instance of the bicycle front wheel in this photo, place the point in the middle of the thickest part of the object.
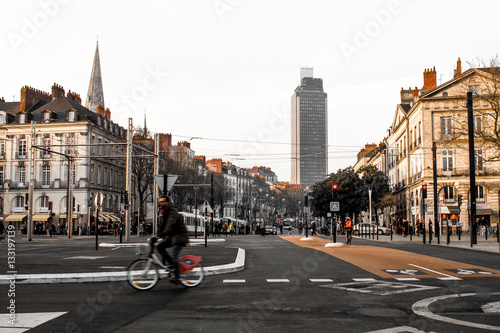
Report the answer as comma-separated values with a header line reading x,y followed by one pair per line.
x,y
142,274
194,277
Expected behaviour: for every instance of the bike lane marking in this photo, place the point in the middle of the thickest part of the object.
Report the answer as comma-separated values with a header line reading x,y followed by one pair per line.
x,y
383,262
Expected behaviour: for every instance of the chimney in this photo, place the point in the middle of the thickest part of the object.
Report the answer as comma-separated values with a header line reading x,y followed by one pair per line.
x,y
2,100
458,71
74,97
429,79
57,91
415,93
30,96
184,144
165,141
107,114
406,96
100,110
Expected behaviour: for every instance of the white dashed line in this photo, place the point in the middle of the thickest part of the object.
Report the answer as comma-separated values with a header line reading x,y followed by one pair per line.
x,y
277,280
234,281
364,280
321,280
407,279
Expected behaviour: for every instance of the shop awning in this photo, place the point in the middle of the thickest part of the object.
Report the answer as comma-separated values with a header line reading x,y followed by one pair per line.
x,y
483,212
40,217
15,217
114,218
453,209
63,216
444,210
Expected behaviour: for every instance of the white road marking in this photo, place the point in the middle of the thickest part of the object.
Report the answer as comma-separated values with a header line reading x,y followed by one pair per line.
x,y
448,277
277,280
364,280
407,279
85,257
493,307
113,267
321,280
26,321
422,308
234,281
400,329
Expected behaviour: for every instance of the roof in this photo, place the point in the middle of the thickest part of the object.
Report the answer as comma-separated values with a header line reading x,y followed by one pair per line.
x,y
10,107
60,106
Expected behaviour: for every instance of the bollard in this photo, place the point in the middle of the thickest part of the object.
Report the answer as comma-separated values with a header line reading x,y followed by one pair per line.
x,y
430,232
448,233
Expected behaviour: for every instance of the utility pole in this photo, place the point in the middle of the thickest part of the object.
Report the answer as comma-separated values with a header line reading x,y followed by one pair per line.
x,y
32,182
69,195
155,185
472,168
128,186
435,193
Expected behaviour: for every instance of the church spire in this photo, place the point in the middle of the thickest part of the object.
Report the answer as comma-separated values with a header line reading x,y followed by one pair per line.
x,y
95,95
145,128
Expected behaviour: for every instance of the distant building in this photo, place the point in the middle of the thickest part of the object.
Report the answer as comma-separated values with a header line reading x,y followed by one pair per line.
x,y
309,122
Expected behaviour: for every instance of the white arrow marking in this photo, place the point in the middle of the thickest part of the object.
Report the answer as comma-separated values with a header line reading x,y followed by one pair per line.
x,y
493,307
26,321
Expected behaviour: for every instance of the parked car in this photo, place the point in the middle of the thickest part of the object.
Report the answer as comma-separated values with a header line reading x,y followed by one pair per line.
x,y
271,230
287,224
371,228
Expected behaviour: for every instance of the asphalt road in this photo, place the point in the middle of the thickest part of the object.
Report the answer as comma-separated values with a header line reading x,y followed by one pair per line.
x,y
289,285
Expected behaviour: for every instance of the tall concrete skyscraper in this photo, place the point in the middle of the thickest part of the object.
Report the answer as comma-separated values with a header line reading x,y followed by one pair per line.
x,y
309,130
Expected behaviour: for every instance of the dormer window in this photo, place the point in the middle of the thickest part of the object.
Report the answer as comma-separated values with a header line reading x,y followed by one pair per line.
x,y
22,118
71,115
105,124
2,118
46,117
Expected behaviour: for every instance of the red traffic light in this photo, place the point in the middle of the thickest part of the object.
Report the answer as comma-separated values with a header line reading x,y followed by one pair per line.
x,y
424,187
334,186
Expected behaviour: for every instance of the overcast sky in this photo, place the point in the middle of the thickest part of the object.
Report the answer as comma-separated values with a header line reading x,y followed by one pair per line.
x,y
223,71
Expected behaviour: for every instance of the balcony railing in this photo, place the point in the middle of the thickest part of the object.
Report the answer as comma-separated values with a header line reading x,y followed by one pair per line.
x,y
40,185
14,185
464,172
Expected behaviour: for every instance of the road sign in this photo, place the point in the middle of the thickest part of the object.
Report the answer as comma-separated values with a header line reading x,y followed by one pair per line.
x,y
122,213
334,206
206,206
160,180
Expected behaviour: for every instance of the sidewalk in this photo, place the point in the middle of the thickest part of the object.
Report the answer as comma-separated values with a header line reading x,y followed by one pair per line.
x,y
62,260
490,245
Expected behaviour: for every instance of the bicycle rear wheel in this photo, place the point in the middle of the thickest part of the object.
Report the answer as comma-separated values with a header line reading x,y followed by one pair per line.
x,y
194,277
142,274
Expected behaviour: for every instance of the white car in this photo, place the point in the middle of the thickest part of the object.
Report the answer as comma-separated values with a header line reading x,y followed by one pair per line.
x,y
370,228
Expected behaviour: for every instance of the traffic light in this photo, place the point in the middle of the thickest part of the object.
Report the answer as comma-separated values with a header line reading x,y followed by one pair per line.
x,y
460,197
424,191
306,201
335,186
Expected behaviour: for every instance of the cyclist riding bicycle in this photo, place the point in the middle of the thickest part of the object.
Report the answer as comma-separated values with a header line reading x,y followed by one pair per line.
x,y
174,233
348,229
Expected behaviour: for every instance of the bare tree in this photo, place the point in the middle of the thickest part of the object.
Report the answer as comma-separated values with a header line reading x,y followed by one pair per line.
x,y
483,80
142,165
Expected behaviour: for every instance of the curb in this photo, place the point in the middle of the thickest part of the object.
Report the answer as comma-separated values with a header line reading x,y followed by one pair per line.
x,y
237,265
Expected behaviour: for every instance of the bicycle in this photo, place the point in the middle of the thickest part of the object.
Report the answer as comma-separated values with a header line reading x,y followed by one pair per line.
x,y
144,274
348,233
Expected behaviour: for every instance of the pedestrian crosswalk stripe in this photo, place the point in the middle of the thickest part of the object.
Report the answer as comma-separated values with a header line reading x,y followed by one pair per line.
x,y
451,278
277,280
321,280
407,279
234,281
364,280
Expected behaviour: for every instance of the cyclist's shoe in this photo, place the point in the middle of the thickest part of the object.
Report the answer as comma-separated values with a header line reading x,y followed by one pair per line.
x,y
173,279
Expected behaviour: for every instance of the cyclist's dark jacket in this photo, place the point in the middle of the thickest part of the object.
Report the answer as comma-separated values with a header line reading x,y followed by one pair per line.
x,y
173,226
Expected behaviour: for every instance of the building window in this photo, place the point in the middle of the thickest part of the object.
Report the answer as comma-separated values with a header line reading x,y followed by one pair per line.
x,y
45,175
46,117
99,175
446,129
448,194
21,172
74,173
478,157
22,148
478,126
447,160
476,90
71,115
1,176
22,118
2,118
480,193
46,145
2,150
91,173
19,203
44,202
